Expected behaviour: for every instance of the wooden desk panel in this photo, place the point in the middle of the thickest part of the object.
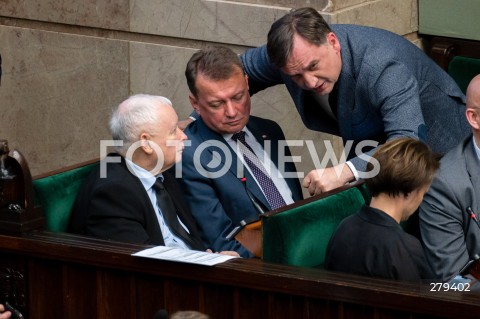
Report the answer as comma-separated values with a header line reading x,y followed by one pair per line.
x,y
68,276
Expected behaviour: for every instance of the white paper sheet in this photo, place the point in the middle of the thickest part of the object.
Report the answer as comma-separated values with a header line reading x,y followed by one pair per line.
x,y
183,255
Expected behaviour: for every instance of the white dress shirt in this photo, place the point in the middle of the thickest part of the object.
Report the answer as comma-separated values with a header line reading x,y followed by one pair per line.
x,y
148,180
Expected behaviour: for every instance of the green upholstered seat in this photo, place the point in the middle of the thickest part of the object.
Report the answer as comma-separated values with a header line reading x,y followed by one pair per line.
x,y
299,236
463,70
56,195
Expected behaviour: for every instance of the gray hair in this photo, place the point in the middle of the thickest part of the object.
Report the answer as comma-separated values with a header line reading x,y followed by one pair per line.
x,y
135,115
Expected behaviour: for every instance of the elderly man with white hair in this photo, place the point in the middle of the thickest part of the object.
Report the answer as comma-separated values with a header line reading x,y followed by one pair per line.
x,y
135,199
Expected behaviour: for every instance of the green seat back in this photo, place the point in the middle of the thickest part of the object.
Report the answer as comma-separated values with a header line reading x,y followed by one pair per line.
x,y
299,236
463,70
56,195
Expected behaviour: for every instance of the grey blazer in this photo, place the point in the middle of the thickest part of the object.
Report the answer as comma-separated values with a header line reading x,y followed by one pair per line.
x,y
450,236
387,88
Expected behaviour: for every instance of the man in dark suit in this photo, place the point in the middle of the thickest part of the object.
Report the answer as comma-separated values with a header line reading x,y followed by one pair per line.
x,y
360,83
131,197
221,192
449,213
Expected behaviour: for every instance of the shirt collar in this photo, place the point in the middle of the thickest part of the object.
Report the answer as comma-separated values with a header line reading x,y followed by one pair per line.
x,y
143,175
477,150
228,137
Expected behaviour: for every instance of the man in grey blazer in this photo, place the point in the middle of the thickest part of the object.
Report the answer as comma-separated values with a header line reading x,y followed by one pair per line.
x,y
449,221
221,186
360,83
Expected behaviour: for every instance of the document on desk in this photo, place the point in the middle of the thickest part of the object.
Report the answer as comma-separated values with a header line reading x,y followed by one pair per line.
x,y
183,255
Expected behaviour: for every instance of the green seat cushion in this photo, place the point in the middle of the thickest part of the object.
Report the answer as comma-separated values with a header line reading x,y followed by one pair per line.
x,y
56,195
299,236
463,70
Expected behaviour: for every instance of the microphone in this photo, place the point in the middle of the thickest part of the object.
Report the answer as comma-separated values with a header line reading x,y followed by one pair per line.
x,y
261,209
473,215
15,313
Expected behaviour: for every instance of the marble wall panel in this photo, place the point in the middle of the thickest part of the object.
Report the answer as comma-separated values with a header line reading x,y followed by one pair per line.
x,y
217,21
57,93
247,25
108,14
159,70
400,17
320,5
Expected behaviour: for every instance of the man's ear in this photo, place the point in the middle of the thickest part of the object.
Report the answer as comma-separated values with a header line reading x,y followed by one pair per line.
x,y
194,103
333,41
145,143
473,118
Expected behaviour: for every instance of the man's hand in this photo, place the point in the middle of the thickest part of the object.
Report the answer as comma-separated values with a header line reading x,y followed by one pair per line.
x,y
4,315
229,253
322,180
226,252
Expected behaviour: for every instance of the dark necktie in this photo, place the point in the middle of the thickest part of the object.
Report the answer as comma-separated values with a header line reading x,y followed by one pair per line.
x,y
271,192
169,213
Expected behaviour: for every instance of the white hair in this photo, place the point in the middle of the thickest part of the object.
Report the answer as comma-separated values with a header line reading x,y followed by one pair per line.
x,y
137,114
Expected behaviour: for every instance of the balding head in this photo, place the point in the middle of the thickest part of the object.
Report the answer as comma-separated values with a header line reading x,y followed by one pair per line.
x,y
473,107
473,93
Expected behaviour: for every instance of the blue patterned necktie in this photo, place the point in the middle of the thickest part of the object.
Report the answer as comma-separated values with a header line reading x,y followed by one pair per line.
x,y
271,192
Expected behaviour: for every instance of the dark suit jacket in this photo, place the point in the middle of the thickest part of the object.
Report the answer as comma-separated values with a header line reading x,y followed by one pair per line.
x,y
219,203
450,237
371,243
118,208
387,88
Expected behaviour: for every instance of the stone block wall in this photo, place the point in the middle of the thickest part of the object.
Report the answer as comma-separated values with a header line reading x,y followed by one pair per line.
x,y
66,64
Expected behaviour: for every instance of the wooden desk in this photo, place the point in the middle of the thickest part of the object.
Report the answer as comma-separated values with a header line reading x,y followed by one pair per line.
x,y
68,276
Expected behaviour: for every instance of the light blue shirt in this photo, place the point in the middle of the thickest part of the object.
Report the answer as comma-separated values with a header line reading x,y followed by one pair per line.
x,y
477,150
148,180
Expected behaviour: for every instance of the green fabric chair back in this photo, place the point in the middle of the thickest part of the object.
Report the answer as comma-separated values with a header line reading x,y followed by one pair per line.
x,y
299,236
463,70
56,195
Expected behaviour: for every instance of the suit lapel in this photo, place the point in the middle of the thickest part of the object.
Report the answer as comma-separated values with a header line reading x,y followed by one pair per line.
x,y
346,91
208,136
472,164
156,236
212,138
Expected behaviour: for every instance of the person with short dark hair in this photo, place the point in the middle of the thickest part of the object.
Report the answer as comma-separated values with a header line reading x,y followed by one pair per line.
x,y
372,242
360,83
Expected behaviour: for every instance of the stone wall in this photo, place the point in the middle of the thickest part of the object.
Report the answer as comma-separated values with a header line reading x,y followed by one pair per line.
x,y
66,64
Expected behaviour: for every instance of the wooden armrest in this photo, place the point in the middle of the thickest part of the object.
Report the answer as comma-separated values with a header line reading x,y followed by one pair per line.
x,y
251,238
